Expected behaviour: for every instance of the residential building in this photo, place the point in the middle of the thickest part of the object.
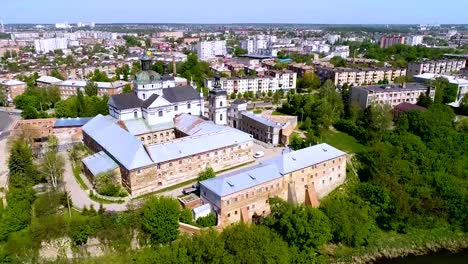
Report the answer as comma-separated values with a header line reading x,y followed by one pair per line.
x,y
12,88
414,40
207,50
387,41
459,82
50,44
271,81
70,88
391,94
170,34
302,176
340,51
300,68
44,81
435,66
358,76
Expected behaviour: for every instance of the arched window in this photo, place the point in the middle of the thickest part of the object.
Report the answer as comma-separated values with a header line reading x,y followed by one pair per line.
x,y
221,117
220,103
160,113
135,114
144,96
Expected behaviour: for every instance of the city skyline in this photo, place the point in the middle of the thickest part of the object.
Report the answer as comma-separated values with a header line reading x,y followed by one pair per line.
x,y
242,11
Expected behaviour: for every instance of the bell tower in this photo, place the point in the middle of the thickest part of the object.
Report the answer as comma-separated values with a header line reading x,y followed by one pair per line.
x,y
217,103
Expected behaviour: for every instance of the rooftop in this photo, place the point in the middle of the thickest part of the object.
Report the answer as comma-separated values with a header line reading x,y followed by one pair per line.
x,y
141,126
72,122
193,145
99,162
275,168
261,119
451,79
383,88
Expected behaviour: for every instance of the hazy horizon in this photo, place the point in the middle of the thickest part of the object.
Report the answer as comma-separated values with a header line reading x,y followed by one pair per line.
x,y
237,12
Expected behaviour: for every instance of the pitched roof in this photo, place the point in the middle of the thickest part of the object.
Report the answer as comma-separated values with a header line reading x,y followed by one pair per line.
x,y
288,162
180,94
303,158
241,180
125,101
48,79
149,101
261,119
193,145
239,101
99,162
72,122
118,143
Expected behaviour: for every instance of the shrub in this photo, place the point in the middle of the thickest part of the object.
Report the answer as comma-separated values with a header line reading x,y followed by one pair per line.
x,y
207,221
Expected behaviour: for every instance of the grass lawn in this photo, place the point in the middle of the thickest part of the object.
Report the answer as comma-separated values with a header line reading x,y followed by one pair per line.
x,y
342,141
277,113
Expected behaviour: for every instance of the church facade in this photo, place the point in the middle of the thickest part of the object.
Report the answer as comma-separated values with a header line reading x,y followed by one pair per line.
x,y
155,98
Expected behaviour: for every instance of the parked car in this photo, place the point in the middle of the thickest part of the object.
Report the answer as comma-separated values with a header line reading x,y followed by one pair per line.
x,y
259,154
189,190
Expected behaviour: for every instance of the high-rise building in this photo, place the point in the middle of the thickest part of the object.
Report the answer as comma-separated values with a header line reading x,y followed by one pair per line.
x,y
210,49
414,40
50,44
391,40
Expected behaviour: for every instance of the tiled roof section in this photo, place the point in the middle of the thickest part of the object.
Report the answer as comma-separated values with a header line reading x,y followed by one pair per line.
x,y
180,94
149,101
125,101
99,162
193,145
404,107
118,143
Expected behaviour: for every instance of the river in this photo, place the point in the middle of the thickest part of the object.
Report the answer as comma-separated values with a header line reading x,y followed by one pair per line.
x,y
435,258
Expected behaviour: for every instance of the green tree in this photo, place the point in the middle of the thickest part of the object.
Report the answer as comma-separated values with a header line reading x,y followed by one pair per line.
x,y
52,167
127,88
91,88
299,226
207,221
309,82
239,51
160,219
338,61
29,112
424,101
233,96
106,183
295,142
208,173
378,120
55,73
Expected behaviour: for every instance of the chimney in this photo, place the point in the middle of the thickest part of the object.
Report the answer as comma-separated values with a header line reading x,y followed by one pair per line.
x,y
174,66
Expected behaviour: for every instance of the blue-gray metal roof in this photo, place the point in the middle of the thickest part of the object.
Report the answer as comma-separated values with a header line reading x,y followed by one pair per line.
x,y
238,181
303,158
261,119
141,126
272,169
192,145
118,143
99,162
72,122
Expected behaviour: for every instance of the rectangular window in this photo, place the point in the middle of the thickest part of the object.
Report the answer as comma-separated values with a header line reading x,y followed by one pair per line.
x,y
188,106
176,108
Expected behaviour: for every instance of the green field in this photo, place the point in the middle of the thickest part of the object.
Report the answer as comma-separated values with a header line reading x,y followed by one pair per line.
x,y
342,141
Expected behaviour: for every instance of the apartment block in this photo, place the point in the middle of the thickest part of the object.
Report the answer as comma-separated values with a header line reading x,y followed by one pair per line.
x,y
390,94
271,81
363,76
303,176
211,49
391,40
300,68
70,88
436,66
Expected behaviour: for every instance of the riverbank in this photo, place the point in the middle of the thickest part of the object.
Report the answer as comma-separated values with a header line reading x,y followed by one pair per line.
x,y
388,245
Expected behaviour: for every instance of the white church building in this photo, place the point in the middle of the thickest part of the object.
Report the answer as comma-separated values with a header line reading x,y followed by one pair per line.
x,y
155,98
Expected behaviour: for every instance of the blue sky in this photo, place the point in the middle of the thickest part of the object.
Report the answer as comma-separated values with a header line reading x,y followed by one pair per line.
x,y
236,11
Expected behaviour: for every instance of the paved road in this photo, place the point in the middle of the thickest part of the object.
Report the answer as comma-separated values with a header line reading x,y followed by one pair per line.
x,y
79,196
5,121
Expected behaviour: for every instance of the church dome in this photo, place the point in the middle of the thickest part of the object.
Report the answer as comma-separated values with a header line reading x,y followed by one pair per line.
x,y
147,77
